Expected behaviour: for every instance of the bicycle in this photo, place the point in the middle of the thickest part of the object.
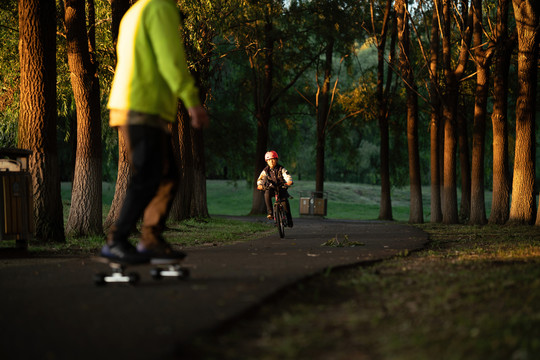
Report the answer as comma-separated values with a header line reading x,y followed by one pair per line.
x,y
280,209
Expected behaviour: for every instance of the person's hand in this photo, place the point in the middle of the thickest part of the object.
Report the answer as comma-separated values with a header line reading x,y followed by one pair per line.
x,y
199,117
259,187
289,183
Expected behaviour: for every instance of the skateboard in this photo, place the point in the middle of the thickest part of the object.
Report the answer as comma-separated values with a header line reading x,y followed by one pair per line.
x,y
160,268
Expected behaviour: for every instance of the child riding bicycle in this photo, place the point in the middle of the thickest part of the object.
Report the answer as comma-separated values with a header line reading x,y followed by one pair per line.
x,y
273,178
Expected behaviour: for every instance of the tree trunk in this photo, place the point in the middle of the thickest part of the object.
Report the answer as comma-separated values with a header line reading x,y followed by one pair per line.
x,y
181,208
450,103
323,111
37,117
482,59
522,208
85,215
385,211
500,207
122,180
118,9
465,166
416,214
263,106
199,207
435,121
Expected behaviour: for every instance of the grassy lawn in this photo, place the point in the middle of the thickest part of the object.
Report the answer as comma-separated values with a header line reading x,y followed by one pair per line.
x,y
345,200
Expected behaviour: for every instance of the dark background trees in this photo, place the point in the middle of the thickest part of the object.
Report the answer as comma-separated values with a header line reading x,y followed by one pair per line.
x,y
318,82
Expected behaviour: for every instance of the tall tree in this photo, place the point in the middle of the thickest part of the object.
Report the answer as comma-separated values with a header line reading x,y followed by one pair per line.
x,y
500,205
385,211
450,103
435,116
522,208
182,142
464,160
202,22
416,214
335,27
118,9
85,215
37,117
262,64
482,58
260,34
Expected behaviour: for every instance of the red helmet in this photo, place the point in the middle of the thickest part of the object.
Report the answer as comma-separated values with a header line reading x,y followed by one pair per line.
x,y
271,155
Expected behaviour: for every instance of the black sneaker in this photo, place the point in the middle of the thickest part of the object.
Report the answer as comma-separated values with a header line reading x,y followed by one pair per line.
x,y
123,252
162,253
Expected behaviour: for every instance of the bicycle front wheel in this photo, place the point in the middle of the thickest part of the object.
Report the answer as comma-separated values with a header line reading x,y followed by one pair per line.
x,y
278,215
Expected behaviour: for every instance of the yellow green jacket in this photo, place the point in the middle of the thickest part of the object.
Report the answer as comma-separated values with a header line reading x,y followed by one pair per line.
x,y
151,72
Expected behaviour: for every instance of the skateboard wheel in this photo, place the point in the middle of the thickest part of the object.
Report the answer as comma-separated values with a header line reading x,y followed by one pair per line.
x,y
156,274
99,279
133,278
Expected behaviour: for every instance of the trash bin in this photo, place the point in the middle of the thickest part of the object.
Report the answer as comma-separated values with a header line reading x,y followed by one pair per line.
x,y
16,220
314,203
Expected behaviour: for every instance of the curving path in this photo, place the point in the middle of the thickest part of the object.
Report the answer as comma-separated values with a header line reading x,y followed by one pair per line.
x,y
50,308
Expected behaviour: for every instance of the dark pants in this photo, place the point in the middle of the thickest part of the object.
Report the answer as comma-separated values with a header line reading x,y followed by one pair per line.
x,y
152,186
283,194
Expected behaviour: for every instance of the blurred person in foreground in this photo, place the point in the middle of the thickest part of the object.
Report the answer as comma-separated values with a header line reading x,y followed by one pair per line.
x,y
151,74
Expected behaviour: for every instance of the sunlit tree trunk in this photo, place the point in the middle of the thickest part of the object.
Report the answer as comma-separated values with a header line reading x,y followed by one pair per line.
x,y
450,104
522,208
85,216
500,207
37,115
435,119
118,9
483,61
416,214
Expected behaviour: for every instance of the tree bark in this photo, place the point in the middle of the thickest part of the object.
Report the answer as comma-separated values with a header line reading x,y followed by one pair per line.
x,y
323,110
450,104
263,108
118,9
465,166
522,208
182,141
416,214
199,207
37,116
385,211
85,215
500,208
435,120
483,62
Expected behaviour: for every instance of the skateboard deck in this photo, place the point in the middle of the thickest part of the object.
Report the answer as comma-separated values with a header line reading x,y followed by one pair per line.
x,y
160,268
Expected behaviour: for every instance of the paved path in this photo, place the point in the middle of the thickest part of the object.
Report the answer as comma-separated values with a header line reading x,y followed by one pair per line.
x,y
50,308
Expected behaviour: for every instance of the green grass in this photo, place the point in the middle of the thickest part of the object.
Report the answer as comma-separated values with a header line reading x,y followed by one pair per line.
x,y
345,200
